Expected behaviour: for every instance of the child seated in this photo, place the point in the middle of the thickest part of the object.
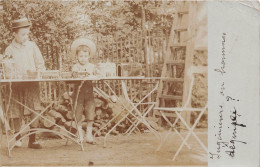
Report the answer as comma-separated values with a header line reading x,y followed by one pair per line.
x,y
83,97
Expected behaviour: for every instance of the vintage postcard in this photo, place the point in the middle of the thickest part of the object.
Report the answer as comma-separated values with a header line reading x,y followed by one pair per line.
x,y
233,83
129,83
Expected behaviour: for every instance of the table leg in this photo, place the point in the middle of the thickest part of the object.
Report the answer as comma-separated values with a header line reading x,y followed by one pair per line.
x,y
38,129
73,106
5,123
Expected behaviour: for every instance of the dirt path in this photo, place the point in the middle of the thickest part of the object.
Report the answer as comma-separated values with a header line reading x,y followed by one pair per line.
x,y
136,149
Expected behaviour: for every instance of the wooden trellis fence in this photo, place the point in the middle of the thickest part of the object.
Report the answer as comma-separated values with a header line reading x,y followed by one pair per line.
x,y
118,50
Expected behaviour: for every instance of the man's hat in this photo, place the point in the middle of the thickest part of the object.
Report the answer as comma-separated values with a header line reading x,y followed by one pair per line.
x,y
86,42
23,22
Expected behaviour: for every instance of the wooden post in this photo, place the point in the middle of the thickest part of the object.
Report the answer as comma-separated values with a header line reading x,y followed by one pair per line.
x,y
2,21
189,58
116,41
1,4
166,57
145,41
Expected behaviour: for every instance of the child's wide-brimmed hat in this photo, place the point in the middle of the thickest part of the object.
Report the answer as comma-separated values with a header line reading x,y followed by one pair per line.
x,y
86,42
20,23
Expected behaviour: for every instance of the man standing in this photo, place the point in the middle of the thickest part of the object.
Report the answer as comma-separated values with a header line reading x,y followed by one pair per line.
x,y
26,57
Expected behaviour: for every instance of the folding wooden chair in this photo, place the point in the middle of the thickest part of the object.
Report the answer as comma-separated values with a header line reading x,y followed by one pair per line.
x,y
178,111
107,97
139,113
140,118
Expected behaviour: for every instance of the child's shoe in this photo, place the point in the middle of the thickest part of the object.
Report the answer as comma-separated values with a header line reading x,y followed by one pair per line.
x,y
18,143
89,136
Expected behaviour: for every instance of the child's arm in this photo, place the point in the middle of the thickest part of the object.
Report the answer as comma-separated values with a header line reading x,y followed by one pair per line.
x,y
96,70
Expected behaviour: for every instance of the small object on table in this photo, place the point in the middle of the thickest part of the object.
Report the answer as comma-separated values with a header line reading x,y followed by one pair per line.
x,y
80,74
50,74
32,74
66,75
129,69
106,69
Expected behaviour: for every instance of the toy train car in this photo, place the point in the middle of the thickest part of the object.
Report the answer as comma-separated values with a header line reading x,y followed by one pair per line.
x,y
50,74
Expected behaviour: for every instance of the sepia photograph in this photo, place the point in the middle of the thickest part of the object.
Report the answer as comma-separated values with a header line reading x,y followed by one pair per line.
x,y
103,83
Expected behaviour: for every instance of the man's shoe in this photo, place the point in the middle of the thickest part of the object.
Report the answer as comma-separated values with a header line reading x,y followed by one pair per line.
x,y
34,145
90,140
